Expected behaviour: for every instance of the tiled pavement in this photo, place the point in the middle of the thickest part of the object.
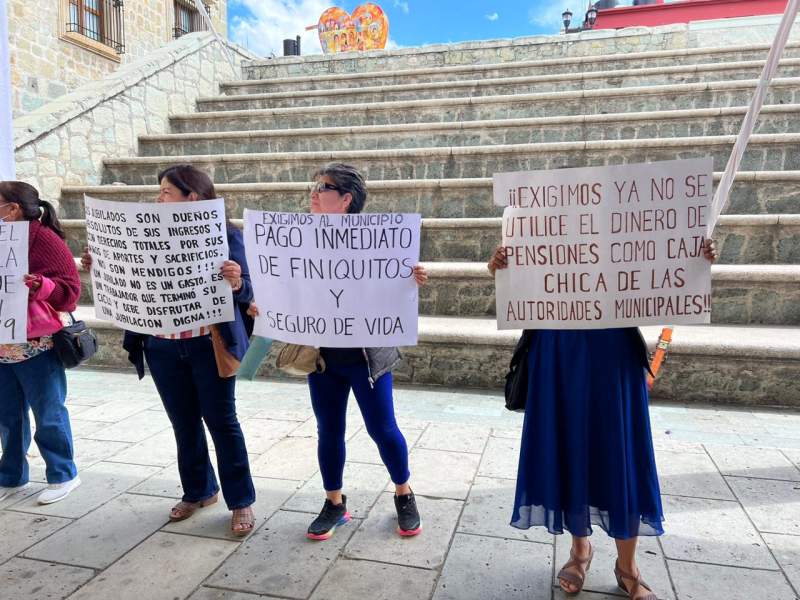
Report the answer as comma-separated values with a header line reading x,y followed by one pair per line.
x,y
731,484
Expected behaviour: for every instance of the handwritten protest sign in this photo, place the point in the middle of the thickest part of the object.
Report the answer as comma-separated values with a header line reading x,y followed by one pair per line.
x,y
156,267
603,247
13,292
340,281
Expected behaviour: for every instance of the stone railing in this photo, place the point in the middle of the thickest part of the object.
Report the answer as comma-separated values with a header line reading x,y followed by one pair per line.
x,y
65,141
595,44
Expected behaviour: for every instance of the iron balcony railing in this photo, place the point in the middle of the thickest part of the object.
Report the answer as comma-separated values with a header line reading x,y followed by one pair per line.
x,y
100,20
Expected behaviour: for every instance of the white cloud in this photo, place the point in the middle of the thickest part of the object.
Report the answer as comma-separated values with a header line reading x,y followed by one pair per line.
x,y
401,5
272,21
549,16
492,17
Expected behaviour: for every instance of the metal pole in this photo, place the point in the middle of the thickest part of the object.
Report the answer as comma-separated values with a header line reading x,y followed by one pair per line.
x,y
7,165
225,49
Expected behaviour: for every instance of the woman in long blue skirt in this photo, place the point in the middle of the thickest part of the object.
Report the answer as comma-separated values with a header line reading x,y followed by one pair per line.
x,y
586,458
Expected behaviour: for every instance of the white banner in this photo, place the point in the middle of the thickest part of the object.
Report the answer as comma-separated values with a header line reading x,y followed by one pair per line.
x,y
156,267
600,247
7,168
13,292
339,281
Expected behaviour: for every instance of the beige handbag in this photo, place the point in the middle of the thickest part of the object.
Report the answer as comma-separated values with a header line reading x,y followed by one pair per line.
x,y
296,359
227,363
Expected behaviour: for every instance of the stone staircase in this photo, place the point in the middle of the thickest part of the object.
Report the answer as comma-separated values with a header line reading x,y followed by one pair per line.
x,y
429,134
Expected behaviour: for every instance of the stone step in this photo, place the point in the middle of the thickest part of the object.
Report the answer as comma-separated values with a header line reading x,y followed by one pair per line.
x,y
514,106
577,66
740,365
764,152
755,193
473,88
741,239
779,118
741,294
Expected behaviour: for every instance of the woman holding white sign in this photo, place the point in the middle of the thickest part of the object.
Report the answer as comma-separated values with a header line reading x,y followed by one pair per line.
x,y
188,372
586,456
31,375
341,189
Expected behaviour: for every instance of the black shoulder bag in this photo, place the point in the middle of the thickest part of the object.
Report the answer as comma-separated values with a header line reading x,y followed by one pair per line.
x,y
517,376
75,343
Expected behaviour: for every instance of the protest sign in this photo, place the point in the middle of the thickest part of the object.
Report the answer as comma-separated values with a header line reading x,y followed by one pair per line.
x,y
340,281
156,267
598,247
13,291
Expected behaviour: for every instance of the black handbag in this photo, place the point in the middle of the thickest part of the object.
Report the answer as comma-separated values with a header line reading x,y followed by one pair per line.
x,y
74,344
517,376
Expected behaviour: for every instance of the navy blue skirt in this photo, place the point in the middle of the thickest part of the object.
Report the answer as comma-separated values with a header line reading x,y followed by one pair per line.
x,y
586,456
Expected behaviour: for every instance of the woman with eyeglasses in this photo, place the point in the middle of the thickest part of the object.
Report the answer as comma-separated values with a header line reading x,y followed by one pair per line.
x,y
31,375
341,189
184,369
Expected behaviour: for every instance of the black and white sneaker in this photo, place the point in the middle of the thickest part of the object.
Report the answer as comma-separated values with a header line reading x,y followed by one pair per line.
x,y
408,521
331,516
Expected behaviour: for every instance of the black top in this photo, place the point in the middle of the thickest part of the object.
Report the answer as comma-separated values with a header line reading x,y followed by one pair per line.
x,y
342,356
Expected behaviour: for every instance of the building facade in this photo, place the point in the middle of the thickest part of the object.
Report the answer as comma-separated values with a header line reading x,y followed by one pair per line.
x,y
58,45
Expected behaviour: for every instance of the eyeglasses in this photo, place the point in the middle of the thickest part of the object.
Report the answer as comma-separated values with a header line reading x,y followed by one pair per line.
x,y
322,186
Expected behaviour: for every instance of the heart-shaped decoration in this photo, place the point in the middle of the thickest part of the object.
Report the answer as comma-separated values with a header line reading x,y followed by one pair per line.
x,y
366,29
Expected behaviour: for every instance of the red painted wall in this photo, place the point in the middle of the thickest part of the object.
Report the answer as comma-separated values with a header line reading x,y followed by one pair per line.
x,y
683,12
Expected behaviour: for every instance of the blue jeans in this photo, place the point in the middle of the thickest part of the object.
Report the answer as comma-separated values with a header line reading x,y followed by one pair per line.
x,y
329,392
185,374
38,384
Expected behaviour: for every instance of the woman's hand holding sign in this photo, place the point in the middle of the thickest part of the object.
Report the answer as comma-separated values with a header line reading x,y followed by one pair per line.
x,y
232,273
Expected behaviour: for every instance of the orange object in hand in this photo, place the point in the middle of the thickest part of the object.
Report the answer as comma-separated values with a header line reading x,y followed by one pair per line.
x,y
659,355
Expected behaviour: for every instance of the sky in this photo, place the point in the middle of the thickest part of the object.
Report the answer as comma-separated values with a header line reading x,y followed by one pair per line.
x,y
261,25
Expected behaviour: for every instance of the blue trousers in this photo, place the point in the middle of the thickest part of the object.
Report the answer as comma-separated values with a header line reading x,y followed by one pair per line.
x,y
329,392
185,374
38,384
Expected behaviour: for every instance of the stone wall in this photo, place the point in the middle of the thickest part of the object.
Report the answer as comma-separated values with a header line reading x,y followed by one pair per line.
x,y
45,65
593,44
66,140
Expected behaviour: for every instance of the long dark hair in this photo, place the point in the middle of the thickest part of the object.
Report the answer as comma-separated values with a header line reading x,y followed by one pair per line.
x,y
190,179
33,207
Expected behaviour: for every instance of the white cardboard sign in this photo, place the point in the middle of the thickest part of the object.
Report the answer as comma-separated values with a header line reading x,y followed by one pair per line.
x,y
598,247
156,267
339,281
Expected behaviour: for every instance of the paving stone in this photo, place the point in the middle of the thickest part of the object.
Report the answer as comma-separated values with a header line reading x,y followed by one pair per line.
x,y
500,459
278,559
90,452
158,450
215,520
208,593
713,531
774,506
164,482
19,531
163,567
375,581
296,413
488,512
506,432
35,580
793,455
484,567
601,578
113,529
117,409
76,409
261,434
292,458
135,428
786,549
354,422
362,484
377,538
99,484
84,429
361,448
455,438
32,489
760,463
690,474
667,444
442,474
714,582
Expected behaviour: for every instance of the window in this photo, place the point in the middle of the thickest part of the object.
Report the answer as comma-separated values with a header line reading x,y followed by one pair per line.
x,y
97,20
187,18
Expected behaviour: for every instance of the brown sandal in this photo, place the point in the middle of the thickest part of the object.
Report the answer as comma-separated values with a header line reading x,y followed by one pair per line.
x,y
245,519
637,583
582,565
183,510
